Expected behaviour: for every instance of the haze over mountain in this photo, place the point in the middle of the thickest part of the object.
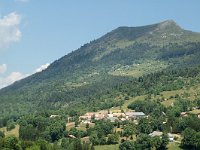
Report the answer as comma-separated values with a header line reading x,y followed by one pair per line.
x,y
115,58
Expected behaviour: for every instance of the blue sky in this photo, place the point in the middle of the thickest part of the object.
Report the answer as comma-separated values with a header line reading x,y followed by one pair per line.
x,y
37,32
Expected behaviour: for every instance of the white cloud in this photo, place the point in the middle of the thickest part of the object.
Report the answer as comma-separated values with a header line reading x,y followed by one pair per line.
x,y
9,30
14,76
22,1
42,67
3,68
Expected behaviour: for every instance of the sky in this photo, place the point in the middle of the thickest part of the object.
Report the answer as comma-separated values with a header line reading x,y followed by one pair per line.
x,y
34,33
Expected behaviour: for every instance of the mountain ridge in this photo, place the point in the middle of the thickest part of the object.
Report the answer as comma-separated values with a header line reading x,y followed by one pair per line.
x,y
116,34
126,31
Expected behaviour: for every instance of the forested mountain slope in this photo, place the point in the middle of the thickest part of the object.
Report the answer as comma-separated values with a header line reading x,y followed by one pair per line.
x,y
97,67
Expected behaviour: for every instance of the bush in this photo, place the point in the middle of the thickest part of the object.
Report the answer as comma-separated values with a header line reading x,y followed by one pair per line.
x,y
2,135
113,139
10,125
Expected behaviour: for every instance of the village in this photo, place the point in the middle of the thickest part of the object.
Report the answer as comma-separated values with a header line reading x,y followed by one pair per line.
x,y
114,116
117,115
128,122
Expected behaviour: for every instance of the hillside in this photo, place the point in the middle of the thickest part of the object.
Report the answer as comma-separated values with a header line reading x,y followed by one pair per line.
x,y
96,68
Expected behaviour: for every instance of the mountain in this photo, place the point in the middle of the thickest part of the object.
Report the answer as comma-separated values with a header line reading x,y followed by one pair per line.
x,y
97,67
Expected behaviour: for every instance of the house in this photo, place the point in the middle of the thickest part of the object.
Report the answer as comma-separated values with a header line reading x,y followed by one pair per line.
x,y
69,119
119,115
85,139
134,115
54,116
97,116
116,111
198,116
71,136
122,119
101,115
110,115
156,133
170,137
86,121
184,114
112,119
87,116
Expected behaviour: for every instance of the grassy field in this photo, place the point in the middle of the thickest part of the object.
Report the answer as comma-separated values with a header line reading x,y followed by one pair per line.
x,y
167,96
107,147
70,125
137,70
81,126
13,132
195,112
173,146
128,102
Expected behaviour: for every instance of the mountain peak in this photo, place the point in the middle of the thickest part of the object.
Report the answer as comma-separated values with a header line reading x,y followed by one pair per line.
x,y
169,24
131,33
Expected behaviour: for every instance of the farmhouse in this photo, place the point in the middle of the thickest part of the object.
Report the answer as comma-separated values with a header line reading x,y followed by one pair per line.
x,y
112,119
96,115
158,133
54,116
155,133
170,137
87,116
198,116
119,115
99,116
134,115
71,136
184,114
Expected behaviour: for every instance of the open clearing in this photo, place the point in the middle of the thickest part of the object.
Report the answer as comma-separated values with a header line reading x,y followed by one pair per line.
x,y
13,132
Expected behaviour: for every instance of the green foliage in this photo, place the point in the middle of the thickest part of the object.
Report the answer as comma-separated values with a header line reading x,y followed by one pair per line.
x,y
113,139
26,144
10,125
56,131
2,135
191,139
143,142
98,133
129,130
160,143
35,127
94,138
12,143
148,107
144,126
127,145
198,103
75,144
28,132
